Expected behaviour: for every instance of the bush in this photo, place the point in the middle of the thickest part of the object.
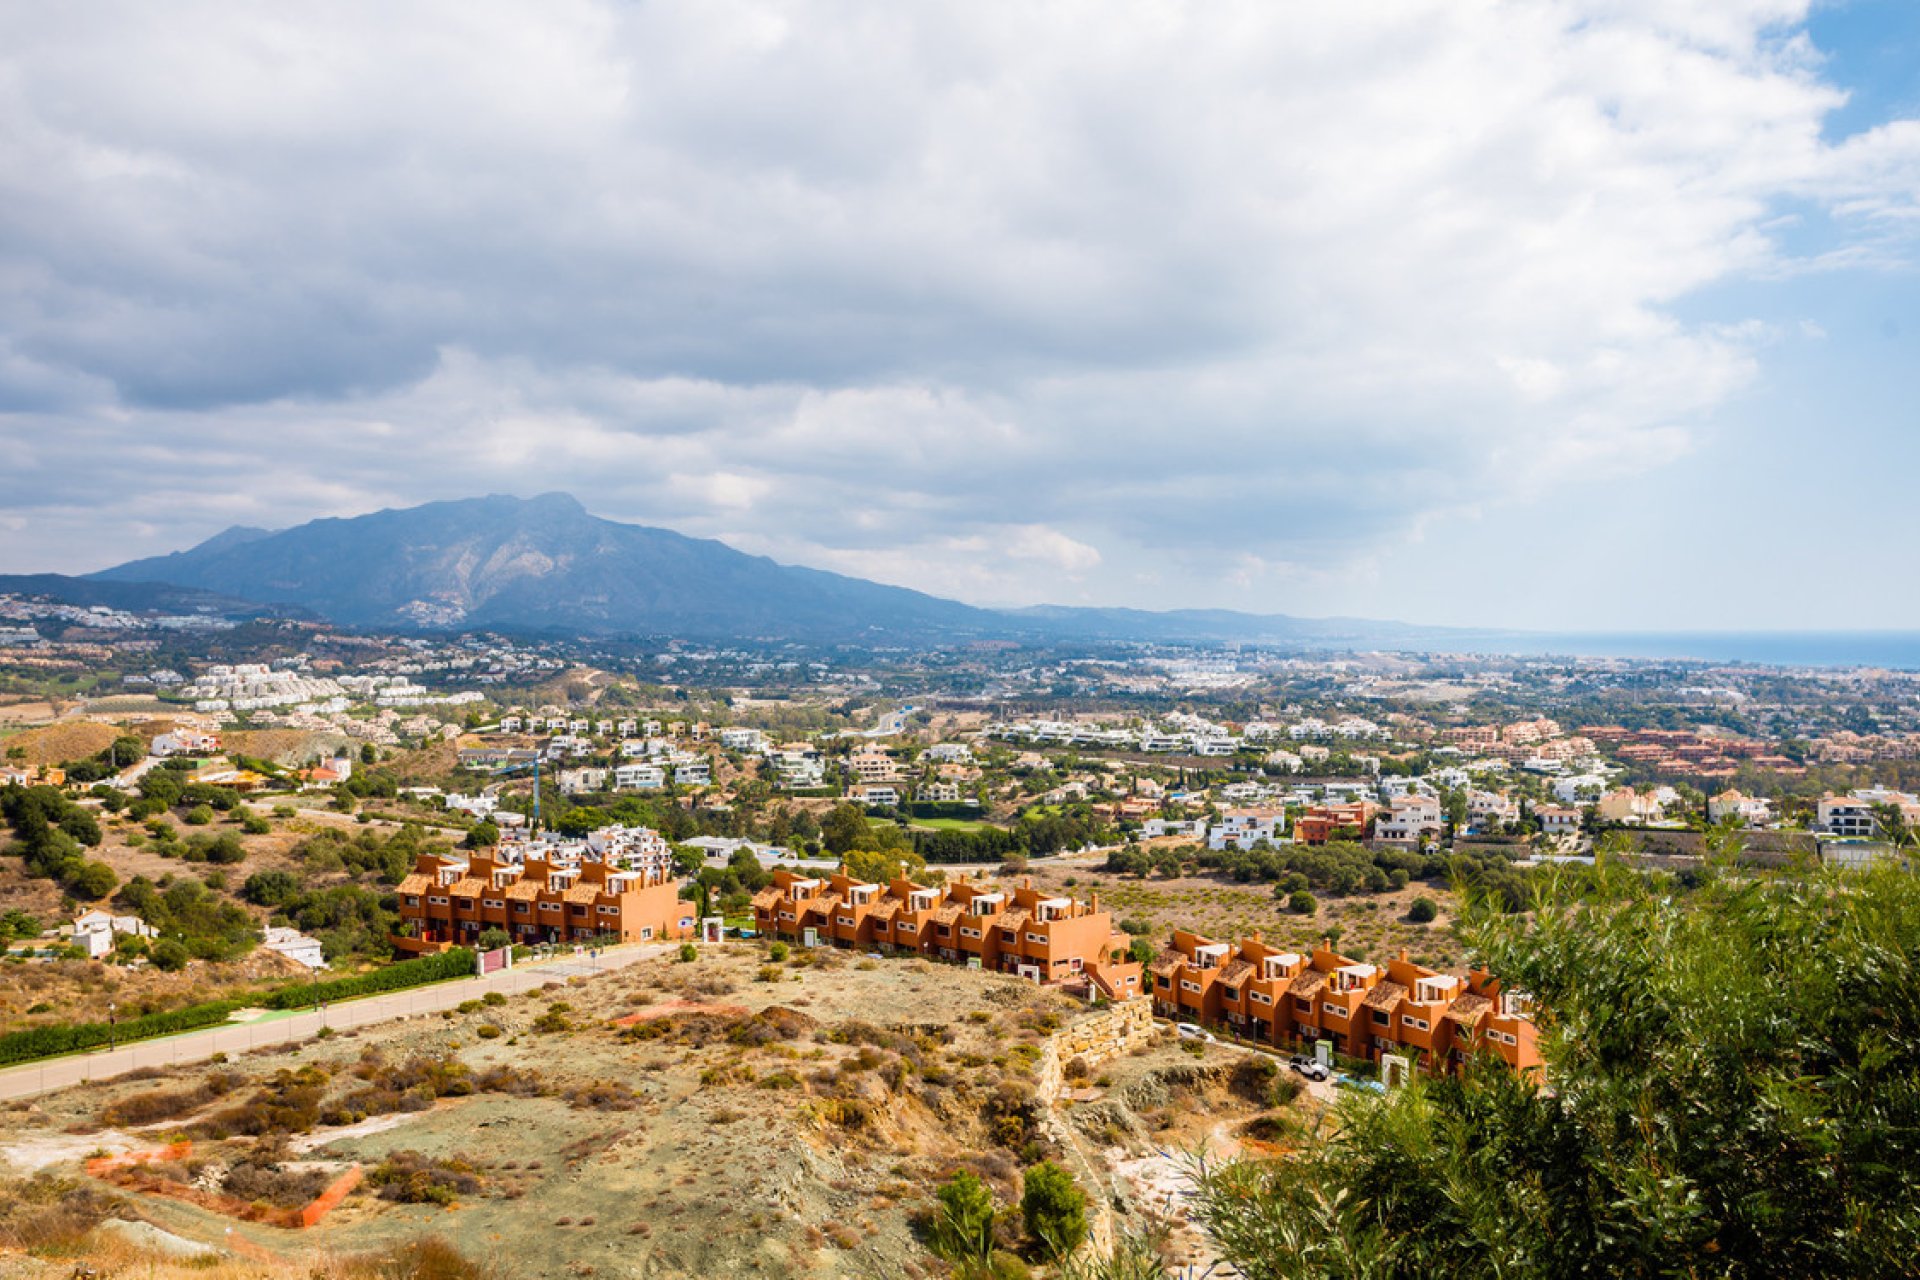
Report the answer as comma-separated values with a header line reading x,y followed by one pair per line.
x,y
777,952
492,939
456,962
169,956
1054,1209
963,1230
200,815
1301,903
1422,910
688,953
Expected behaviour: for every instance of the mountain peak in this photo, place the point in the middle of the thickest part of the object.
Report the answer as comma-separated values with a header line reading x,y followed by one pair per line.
x,y
541,563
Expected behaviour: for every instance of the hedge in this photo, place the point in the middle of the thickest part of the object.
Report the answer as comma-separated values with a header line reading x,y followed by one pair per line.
x,y
52,1041
457,962
49,1042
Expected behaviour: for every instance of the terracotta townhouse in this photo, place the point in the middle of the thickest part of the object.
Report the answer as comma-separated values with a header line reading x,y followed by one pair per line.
x,y
1286,998
1020,931
449,901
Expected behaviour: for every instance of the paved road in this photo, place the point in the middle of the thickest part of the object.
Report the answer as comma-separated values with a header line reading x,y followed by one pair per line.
x,y
237,1038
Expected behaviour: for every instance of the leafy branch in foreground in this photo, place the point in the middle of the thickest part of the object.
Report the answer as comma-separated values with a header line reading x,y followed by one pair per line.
x,y
1733,1089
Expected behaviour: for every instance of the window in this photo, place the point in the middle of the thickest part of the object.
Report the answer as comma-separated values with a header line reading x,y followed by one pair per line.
x,y
1233,993
438,902
413,899
1194,987
969,933
520,908
1160,980
493,904
1419,1024
645,934
1304,1006
1382,1019
1037,939
1333,1010
1260,997
845,922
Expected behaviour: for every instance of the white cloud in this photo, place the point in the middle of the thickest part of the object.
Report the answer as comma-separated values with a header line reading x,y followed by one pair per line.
x,y
1012,301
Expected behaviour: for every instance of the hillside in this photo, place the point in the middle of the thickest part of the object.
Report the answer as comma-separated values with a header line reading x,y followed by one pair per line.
x,y
733,1116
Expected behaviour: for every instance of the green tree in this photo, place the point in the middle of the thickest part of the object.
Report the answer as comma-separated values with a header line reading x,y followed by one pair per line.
x,y
845,825
1054,1209
1422,910
1733,1093
492,939
169,956
90,880
963,1231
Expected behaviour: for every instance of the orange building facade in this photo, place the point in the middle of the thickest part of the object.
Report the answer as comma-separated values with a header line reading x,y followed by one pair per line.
x,y
1019,931
1287,998
450,901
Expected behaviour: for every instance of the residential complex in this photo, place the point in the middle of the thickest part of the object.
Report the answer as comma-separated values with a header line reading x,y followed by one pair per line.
x,y
1048,939
450,901
1366,1011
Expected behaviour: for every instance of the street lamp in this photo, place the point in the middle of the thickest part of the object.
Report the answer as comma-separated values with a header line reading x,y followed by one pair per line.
x,y
113,1026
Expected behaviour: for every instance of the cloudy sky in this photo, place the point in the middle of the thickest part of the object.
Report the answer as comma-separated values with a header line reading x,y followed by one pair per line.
x,y
1555,313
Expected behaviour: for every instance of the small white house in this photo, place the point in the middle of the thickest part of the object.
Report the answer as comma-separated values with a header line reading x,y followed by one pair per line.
x,y
96,931
295,946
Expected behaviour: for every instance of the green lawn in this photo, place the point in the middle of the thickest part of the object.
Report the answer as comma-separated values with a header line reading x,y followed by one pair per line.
x,y
936,824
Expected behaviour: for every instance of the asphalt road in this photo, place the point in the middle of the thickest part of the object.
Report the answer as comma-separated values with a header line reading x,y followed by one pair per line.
x,y
273,1029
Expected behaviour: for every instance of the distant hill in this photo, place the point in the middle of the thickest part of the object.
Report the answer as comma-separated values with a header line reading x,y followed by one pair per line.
x,y
545,563
133,597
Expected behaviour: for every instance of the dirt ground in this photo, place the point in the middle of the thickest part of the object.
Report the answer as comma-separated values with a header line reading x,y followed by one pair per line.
x,y
1371,926
798,1142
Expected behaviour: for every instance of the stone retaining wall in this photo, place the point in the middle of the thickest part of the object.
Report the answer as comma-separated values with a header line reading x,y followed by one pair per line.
x,y
1094,1039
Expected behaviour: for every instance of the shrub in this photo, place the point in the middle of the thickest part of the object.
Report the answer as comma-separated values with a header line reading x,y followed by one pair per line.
x,y
963,1229
411,1178
492,939
777,952
456,962
170,956
1301,903
688,953
1422,910
200,815
1054,1209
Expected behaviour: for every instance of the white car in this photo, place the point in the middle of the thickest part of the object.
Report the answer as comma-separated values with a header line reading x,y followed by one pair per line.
x,y
1188,1031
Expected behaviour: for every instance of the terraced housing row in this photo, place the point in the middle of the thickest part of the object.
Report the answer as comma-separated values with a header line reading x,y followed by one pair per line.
x,y
1366,1011
449,901
1022,931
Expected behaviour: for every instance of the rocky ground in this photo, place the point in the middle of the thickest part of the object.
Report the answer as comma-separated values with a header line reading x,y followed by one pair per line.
x,y
729,1116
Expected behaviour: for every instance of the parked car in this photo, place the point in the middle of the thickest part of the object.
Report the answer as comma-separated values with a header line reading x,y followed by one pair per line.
x,y
1310,1067
1188,1031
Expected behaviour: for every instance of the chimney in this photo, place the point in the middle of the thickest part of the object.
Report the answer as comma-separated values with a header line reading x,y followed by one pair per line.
x,y
1093,903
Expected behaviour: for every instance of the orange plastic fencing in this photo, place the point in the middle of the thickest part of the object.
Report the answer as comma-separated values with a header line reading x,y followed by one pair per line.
x,y
329,1200
105,1166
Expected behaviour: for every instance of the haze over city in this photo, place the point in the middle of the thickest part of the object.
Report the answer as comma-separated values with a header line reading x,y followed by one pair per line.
x,y
1581,315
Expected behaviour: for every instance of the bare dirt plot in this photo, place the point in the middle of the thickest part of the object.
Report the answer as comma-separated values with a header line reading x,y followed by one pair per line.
x,y
1369,926
794,1140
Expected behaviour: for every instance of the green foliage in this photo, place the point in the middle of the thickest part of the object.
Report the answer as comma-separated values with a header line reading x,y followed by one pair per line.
x,y
492,939
349,919
1141,951
963,1229
188,912
1054,1209
1422,910
169,956
777,952
271,888
456,962
47,1042
1302,903
91,881
199,815
367,853
1733,1094
688,953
